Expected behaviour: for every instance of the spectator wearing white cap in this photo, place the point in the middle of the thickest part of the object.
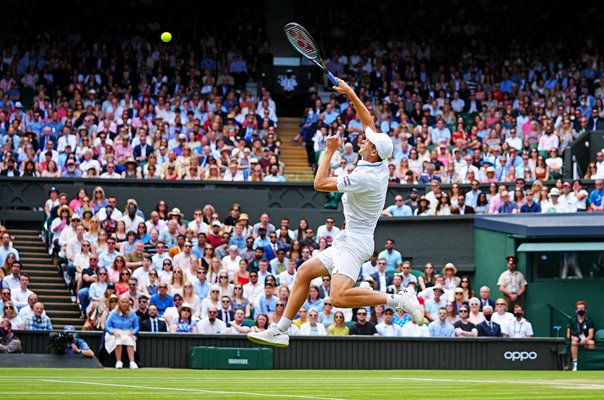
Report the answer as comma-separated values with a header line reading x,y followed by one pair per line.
x,y
553,206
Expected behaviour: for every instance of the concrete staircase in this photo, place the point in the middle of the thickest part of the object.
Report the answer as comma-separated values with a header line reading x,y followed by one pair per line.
x,y
45,279
294,153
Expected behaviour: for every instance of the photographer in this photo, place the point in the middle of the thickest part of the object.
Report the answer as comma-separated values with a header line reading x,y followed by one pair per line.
x,y
77,346
9,343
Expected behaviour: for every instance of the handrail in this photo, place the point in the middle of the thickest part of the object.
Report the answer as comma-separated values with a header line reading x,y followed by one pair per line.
x,y
552,309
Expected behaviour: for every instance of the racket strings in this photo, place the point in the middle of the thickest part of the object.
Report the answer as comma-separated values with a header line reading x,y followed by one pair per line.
x,y
302,41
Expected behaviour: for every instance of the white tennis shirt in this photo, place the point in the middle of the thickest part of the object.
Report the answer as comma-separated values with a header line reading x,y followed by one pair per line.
x,y
364,196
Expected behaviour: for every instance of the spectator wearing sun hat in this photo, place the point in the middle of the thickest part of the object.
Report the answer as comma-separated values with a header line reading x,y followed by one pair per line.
x,y
451,281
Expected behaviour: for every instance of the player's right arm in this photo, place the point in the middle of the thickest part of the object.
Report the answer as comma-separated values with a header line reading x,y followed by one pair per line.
x,y
324,182
362,111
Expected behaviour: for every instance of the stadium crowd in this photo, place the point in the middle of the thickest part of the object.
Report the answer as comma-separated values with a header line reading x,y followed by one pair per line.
x,y
131,108
459,110
226,274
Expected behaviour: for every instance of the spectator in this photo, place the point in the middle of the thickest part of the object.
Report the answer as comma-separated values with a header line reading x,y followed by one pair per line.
x,y
338,328
362,326
488,327
39,321
580,331
393,258
501,315
387,328
596,196
398,209
184,322
9,313
120,331
211,324
411,329
440,327
162,300
484,298
435,304
518,327
313,327
463,327
7,248
382,278
9,343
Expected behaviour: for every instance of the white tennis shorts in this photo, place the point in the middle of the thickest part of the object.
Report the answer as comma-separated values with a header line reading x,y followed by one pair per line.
x,y
347,254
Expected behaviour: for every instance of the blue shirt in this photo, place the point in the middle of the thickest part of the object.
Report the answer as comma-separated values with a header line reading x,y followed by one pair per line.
x,y
118,321
237,241
404,211
438,329
535,208
595,197
264,305
82,345
317,305
201,289
392,259
507,208
161,304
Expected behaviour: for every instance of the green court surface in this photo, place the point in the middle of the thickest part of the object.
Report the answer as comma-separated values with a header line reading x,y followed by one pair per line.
x,y
301,384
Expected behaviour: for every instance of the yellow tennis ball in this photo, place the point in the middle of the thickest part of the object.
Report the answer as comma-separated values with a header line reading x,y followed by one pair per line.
x,y
166,36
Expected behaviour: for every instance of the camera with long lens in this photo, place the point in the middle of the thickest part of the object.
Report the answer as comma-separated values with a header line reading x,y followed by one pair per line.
x,y
59,342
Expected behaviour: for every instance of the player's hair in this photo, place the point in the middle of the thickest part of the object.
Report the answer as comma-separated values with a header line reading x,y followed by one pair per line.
x,y
581,303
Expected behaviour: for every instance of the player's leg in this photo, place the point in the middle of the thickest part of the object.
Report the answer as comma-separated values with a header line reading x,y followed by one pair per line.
x,y
276,335
344,294
308,271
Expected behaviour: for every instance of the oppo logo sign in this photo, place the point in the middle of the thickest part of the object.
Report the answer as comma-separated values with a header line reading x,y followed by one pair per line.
x,y
520,355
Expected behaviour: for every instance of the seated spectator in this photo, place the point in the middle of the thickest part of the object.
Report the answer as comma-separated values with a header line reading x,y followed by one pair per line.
x,y
153,323
39,321
518,327
20,294
339,327
441,327
475,315
363,326
184,322
120,331
236,326
313,327
411,329
463,327
9,343
211,324
398,209
9,313
488,327
386,327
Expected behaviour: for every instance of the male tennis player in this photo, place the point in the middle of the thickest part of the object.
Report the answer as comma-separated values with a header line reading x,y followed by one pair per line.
x,y
364,197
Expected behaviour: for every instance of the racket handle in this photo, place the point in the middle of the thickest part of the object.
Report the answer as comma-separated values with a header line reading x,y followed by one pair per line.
x,y
332,78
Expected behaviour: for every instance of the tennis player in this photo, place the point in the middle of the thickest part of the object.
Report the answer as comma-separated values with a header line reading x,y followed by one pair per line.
x,y
364,197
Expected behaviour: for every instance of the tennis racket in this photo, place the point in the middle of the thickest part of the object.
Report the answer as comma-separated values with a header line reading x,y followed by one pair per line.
x,y
304,43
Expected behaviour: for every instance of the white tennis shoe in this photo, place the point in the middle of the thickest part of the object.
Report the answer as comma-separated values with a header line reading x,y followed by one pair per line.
x,y
272,337
411,306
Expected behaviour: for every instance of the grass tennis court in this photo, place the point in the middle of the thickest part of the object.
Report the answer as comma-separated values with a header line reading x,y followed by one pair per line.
x,y
300,384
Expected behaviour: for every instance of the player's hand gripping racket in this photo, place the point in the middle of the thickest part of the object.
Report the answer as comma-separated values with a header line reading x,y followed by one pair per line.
x,y
306,45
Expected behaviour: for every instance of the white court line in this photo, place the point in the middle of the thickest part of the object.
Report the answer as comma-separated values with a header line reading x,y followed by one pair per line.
x,y
77,393
561,384
193,390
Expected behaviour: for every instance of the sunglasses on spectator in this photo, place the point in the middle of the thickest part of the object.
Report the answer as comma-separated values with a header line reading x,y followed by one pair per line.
x,y
225,301
361,313
212,312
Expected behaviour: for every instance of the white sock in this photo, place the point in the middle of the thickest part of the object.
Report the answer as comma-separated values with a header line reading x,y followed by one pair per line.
x,y
284,324
392,300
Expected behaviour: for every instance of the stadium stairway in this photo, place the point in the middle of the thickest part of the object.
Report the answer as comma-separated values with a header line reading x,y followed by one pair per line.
x,y
45,280
294,153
